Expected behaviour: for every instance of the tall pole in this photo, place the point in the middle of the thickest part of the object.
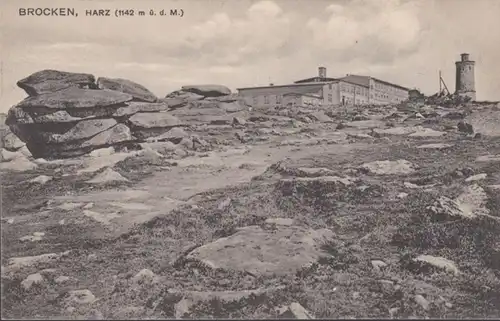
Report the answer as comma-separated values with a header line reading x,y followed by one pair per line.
x,y
440,88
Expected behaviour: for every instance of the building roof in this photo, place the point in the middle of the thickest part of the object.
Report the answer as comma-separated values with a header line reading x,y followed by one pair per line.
x,y
315,79
317,85
357,80
365,81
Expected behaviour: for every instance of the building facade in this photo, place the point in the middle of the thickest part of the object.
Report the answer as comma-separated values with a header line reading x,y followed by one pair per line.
x,y
348,90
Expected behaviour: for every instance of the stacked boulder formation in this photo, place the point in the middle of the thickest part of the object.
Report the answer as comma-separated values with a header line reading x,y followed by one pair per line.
x,y
70,114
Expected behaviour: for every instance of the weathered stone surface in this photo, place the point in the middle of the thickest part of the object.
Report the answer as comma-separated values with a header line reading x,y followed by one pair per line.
x,y
135,107
76,98
184,96
281,250
115,135
48,81
82,130
208,90
438,262
154,120
174,135
137,91
11,142
386,167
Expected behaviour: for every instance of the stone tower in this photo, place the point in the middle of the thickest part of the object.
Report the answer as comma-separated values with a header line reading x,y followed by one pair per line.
x,y
322,72
465,83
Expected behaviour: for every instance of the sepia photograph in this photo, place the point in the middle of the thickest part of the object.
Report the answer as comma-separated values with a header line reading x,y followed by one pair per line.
x,y
250,159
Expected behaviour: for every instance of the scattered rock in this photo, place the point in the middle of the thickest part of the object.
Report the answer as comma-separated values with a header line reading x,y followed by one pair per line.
x,y
488,158
420,300
282,250
11,142
102,152
107,176
79,297
182,308
402,195
387,167
435,146
68,206
438,262
42,179
62,279
145,276
101,218
31,280
280,221
378,264
427,132
295,311
477,177
16,263
224,204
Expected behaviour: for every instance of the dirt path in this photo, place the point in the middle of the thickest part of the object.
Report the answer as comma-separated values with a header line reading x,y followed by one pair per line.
x,y
165,190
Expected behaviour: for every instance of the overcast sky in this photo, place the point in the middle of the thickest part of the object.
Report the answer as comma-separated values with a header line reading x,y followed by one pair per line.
x,y
244,43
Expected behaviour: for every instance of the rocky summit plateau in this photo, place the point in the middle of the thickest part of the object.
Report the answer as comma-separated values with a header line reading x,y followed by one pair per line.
x,y
118,204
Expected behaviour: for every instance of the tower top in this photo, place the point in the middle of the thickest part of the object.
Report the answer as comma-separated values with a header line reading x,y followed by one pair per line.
x,y
465,57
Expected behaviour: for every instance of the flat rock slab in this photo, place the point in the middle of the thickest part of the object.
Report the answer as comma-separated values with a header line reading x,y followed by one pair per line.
x,y
435,146
47,81
397,130
137,91
488,158
154,120
81,130
427,132
439,262
281,250
365,124
387,167
135,107
17,263
76,98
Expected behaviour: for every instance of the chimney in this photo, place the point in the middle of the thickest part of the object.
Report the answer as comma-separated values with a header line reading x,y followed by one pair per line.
x,y
465,57
322,72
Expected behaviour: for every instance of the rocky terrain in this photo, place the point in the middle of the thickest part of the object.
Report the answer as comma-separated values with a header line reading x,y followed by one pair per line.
x,y
118,204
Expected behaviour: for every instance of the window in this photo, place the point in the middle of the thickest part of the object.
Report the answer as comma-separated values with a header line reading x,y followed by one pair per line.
x,y
278,99
330,86
255,100
330,98
266,100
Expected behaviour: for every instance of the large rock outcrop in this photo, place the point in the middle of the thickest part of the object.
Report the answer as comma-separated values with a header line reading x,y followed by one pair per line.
x,y
68,114
48,81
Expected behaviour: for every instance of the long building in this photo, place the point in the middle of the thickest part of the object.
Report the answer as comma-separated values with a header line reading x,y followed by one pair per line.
x,y
322,90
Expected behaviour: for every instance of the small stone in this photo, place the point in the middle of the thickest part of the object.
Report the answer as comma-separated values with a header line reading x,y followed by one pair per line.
x,y
182,308
448,305
62,279
356,295
70,309
144,275
393,311
61,222
224,204
88,206
80,297
10,221
402,195
378,264
420,300
477,177
31,280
